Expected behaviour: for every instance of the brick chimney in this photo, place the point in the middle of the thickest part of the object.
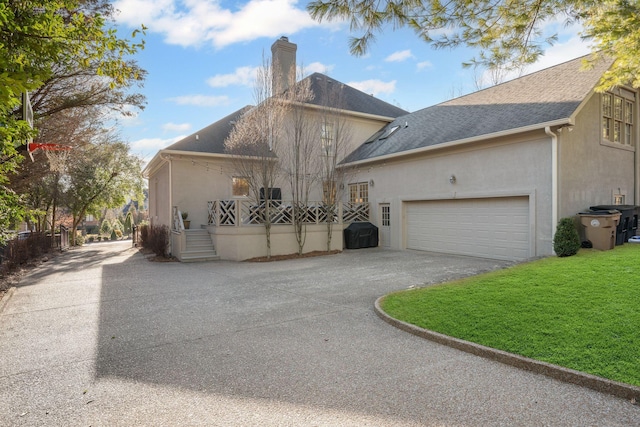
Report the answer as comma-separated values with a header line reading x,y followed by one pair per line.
x,y
283,64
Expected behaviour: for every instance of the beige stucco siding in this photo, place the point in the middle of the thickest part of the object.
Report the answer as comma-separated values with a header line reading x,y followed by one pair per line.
x,y
498,168
591,171
159,208
197,181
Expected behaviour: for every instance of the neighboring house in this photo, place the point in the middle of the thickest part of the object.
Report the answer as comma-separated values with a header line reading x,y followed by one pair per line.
x,y
490,174
197,175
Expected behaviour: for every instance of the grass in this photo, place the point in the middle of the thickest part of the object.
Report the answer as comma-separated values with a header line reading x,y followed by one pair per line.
x,y
580,312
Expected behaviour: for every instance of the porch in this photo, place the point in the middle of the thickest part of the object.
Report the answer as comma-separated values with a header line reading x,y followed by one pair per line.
x,y
237,232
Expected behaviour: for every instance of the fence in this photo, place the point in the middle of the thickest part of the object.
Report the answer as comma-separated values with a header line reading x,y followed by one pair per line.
x,y
247,213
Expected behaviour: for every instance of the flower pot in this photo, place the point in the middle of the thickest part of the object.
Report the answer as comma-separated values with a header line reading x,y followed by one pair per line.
x,y
186,224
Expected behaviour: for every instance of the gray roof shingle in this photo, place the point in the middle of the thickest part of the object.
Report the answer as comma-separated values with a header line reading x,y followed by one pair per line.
x,y
211,138
542,97
329,92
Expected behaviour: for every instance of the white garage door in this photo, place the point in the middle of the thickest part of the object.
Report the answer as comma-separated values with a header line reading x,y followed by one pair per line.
x,y
492,228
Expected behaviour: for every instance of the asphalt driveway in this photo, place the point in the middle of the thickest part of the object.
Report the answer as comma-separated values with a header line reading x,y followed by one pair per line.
x,y
102,337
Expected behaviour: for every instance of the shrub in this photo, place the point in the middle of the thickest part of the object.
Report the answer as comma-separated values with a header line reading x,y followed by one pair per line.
x,y
79,239
566,241
116,224
118,233
155,238
91,239
105,228
114,236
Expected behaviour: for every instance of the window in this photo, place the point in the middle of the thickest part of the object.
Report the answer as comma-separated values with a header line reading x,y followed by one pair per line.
x,y
389,132
386,216
327,139
618,199
617,117
240,186
359,192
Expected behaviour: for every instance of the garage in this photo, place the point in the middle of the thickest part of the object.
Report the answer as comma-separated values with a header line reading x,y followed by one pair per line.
x,y
495,228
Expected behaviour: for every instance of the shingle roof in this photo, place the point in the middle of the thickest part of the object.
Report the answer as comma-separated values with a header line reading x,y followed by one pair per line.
x,y
211,138
326,89
545,96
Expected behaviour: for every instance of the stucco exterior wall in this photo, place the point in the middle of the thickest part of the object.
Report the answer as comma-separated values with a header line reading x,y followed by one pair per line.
x,y
241,243
159,208
197,180
499,168
592,171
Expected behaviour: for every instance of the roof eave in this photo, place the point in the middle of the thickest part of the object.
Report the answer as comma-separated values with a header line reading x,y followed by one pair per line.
x,y
444,145
347,112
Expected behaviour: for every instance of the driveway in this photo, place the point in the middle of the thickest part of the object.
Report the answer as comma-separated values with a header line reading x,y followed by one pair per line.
x,y
102,337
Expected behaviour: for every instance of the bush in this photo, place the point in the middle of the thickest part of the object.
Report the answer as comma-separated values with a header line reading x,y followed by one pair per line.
x,y
91,239
155,238
116,225
105,228
114,236
566,241
118,234
79,239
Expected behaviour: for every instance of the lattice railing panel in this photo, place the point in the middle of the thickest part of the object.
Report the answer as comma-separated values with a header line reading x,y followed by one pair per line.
x,y
355,212
211,212
227,212
247,212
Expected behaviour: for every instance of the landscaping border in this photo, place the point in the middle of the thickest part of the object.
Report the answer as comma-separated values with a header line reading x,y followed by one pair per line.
x,y
615,388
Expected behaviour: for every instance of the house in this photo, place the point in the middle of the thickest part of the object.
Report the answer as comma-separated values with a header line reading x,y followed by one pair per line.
x,y
490,174
197,175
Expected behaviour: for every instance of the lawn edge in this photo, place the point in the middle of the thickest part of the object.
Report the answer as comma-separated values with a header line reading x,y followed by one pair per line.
x,y
603,385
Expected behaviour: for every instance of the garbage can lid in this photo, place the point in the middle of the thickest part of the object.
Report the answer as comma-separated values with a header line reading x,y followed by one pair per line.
x,y
602,212
612,207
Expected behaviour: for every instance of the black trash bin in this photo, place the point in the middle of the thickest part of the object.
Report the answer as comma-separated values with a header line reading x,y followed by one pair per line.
x,y
628,225
361,235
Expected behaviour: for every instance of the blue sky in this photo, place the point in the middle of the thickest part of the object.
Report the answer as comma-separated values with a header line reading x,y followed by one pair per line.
x,y
201,57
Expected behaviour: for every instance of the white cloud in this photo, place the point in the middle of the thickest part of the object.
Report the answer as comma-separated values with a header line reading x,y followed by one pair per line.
x,y
561,52
424,65
193,22
317,67
374,87
201,100
243,76
399,56
572,48
148,147
176,127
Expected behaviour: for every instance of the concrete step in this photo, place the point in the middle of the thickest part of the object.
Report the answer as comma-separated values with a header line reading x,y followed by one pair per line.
x,y
199,256
199,247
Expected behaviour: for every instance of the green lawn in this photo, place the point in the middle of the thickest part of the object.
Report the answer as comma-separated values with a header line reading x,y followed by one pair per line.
x,y
581,312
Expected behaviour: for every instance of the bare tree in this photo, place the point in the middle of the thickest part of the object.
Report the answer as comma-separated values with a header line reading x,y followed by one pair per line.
x,y
299,156
254,142
335,137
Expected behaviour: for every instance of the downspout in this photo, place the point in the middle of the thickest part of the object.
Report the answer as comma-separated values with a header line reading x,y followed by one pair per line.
x,y
554,180
170,249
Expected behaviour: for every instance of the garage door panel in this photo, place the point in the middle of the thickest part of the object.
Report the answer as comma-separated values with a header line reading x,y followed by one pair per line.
x,y
493,228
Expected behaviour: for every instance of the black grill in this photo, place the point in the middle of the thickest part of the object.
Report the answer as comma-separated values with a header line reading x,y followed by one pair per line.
x,y
361,235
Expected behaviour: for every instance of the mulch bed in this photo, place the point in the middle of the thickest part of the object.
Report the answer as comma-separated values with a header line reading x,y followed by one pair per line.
x,y
292,256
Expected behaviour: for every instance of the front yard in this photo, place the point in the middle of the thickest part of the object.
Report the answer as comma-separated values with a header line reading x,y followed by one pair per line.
x,y
580,312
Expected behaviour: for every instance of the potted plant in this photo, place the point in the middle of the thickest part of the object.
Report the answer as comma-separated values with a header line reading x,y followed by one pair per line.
x,y
186,223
